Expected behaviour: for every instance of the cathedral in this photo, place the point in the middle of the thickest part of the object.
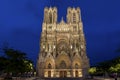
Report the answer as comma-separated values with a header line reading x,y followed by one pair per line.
x,y
62,46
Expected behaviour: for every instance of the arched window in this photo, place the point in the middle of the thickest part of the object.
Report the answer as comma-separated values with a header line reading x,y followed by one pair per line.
x,y
50,17
49,66
45,17
54,19
74,18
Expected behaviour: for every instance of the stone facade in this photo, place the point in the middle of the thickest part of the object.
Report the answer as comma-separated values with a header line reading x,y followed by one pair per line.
x,y
62,46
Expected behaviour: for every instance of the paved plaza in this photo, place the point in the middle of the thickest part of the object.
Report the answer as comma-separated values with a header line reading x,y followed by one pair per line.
x,y
37,78
96,78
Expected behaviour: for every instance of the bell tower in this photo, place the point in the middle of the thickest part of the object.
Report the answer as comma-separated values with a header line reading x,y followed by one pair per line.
x,y
73,15
50,15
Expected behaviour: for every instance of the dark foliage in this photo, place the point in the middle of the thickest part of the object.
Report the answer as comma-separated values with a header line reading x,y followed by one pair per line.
x,y
15,61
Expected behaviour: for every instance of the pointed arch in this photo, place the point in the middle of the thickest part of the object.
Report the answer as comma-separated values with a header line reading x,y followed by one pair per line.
x,y
63,61
76,63
49,63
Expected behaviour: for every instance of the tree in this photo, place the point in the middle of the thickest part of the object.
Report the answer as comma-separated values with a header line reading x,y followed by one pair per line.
x,y
3,61
115,68
15,62
92,71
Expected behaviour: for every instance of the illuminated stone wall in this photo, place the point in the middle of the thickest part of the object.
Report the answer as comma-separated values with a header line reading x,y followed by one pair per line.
x,y
62,45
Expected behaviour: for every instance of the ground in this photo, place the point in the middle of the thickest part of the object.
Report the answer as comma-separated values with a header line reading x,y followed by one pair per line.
x,y
35,78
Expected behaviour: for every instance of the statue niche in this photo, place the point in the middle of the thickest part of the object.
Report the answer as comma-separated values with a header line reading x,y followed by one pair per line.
x,y
49,66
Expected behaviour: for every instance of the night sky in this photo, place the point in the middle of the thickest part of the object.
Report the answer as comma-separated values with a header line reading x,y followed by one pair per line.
x,y
21,23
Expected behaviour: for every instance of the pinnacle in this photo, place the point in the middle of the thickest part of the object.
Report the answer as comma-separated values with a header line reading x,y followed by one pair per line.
x,y
62,20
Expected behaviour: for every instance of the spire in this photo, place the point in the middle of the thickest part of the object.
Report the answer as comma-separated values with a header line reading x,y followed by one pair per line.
x,y
50,7
62,21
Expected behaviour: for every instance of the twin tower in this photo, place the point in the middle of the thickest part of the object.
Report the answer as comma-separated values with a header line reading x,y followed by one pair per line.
x,y
62,46
50,15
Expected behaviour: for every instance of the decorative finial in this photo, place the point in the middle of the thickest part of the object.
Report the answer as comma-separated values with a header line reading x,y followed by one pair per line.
x,y
62,20
50,7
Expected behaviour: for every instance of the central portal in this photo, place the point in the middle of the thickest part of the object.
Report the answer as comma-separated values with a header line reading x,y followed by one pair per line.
x,y
63,74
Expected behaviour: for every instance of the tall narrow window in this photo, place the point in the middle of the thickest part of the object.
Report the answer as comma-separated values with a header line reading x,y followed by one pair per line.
x,y
50,17
54,19
45,18
74,18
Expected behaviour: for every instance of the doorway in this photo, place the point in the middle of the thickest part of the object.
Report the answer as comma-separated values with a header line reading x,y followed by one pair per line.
x,y
49,73
63,74
76,73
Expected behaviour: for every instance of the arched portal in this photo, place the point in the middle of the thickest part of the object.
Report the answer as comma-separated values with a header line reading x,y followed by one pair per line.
x,y
63,73
49,66
49,72
63,61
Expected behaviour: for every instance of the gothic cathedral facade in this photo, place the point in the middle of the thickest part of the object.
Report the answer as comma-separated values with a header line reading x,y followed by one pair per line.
x,y
62,46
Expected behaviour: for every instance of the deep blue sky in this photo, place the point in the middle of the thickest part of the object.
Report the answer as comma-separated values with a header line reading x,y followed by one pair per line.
x,y
21,21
